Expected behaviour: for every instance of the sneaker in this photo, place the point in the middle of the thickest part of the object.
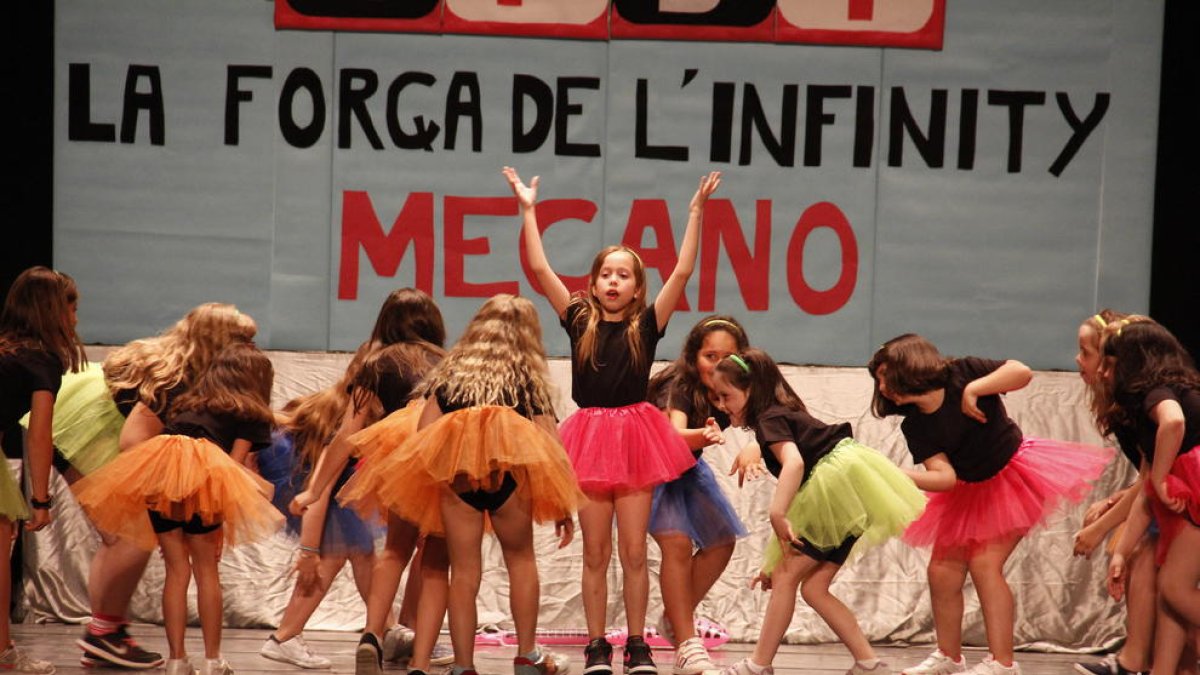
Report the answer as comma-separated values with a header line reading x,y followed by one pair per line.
x,y
119,649
597,657
990,666
13,660
710,630
217,666
294,651
692,658
546,663
368,658
744,667
637,657
881,668
398,643
1108,665
179,667
442,655
937,663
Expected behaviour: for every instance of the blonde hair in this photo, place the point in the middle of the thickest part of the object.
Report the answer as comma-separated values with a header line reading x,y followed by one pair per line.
x,y
1099,390
176,357
499,360
313,419
37,313
590,312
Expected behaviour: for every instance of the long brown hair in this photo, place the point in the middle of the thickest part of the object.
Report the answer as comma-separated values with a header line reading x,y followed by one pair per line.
x,y
37,313
756,373
410,360
591,312
1142,355
682,377
408,315
175,358
908,364
237,382
499,360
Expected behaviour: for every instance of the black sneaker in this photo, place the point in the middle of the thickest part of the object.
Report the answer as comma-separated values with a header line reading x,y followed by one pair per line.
x,y
1106,666
118,649
637,657
368,657
598,657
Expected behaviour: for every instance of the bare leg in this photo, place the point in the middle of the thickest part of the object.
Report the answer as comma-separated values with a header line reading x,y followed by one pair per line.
x,y
6,538
178,575
513,525
995,597
306,599
595,524
389,567
815,590
675,581
633,517
431,607
947,575
114,575
209,599
785,581
1177,610
707,566
464,537
1141,600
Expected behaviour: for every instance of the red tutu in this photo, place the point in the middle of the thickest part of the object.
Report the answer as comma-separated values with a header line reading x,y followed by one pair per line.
x,y
1039,477
629,448
1183,481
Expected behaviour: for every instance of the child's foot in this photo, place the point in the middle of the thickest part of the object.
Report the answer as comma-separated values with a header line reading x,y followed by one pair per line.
x,y
1109,665
748,667
990,666
368,658
294,650
598,657
217,666
398,643
13,660
637,657
179,667
691,658
442,655
937,663
541,662
118,648
878,668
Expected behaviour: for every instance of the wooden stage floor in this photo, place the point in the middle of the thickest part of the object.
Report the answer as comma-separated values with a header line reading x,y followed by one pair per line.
x,y
56,642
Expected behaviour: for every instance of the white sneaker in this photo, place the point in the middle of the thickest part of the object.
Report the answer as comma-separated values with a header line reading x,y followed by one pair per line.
x,y
13,660
881,668
442,655
743,667
398,642
217,666
546,663
990,666
937,663
179,667
295,651
691,658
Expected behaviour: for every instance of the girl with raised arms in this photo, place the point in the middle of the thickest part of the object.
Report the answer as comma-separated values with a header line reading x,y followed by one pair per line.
x,y
620,446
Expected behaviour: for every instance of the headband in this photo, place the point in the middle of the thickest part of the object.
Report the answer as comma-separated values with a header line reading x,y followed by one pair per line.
x,y
1100,320
740,361
722,322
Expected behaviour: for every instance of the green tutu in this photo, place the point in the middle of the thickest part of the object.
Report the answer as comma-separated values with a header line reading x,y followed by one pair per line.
x,y
87,424
12,502
853,491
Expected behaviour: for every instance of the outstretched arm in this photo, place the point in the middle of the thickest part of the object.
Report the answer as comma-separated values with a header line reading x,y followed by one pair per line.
x,y
531,239
331,462
668,297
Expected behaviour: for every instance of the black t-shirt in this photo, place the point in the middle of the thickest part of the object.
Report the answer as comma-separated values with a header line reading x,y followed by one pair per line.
x,y
24,370
682,401
1188,400
976,451
812,437
127,398
617,383
449,406
1128,443
392,387
220,428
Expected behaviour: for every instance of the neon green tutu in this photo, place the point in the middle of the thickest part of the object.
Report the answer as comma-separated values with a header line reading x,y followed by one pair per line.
x,y
12,502
853,491
87,424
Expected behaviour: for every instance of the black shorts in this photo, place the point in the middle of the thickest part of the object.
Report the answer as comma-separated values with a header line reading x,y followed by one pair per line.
x,y
836,555
483,500
162,524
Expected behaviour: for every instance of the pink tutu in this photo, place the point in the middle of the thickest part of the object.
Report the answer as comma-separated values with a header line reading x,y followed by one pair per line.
x,y
1040,476
1183,481
620,449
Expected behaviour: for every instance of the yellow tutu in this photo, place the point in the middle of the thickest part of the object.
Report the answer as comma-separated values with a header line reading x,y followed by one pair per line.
x,y
87,424
179,477
12,502
471,449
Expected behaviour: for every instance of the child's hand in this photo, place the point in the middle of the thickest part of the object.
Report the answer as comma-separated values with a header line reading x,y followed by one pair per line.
x,y
526,194
783,530
307,578
565,531
301,502
748,464
1176,504
1116,576
712,432
1086,541
970,407
38,519
708,185
763,579
1096,510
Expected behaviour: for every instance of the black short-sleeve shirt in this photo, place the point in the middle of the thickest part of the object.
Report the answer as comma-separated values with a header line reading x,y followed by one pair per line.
x,y
812,437
1147,430
220,428
449,406
24,370
617,383
682,401
977,451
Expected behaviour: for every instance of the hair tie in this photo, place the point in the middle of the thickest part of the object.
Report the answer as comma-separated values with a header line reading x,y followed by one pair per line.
x,y
740,361
1100,320
722,322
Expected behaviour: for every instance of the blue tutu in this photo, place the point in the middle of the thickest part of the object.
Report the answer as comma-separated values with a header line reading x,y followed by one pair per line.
x,y
695,505
345,533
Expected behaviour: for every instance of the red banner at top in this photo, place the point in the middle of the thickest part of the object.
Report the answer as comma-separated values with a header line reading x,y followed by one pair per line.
x,y
916,24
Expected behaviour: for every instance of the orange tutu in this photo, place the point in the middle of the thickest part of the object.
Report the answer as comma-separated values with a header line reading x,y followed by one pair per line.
x,y
470,448
375,445
179,477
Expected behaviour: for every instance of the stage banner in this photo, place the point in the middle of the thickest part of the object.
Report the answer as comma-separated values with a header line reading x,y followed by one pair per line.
x,y
988,195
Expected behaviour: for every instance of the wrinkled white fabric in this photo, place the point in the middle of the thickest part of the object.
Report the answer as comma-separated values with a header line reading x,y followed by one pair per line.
x,y
1060,599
